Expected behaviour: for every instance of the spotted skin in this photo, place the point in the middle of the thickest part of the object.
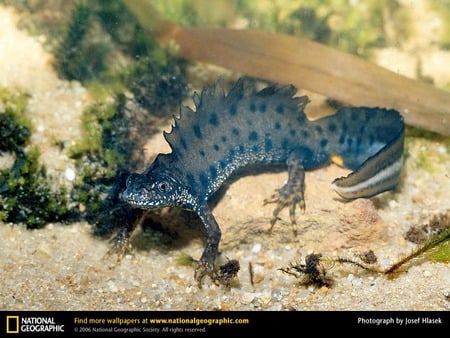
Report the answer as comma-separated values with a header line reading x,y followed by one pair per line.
x,y
247,127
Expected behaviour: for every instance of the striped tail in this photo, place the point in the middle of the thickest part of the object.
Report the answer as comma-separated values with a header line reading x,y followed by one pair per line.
x,y
377,174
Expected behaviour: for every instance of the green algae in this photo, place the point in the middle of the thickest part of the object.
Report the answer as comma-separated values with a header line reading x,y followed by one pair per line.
x,y
25,193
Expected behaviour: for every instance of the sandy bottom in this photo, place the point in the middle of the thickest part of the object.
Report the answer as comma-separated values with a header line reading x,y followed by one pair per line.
x,y
65,267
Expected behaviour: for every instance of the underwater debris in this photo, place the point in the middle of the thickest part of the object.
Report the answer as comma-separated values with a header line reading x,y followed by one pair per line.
x,y
368,257
311,272
437,245
416,235
228,272
419,234
316,267
251,274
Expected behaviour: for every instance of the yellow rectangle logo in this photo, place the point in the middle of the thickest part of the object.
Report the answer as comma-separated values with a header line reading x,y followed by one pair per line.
x,y
12,324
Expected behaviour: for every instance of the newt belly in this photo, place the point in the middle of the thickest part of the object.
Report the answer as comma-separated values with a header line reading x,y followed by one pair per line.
x,y
248,127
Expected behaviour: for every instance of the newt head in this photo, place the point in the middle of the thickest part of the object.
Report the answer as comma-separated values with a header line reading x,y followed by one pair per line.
x,y
156,187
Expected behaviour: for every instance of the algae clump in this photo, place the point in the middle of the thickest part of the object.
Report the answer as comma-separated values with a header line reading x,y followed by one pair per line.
x,y
25,193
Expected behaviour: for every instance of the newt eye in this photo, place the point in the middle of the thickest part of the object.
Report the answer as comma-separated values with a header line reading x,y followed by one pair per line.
x,y
163,186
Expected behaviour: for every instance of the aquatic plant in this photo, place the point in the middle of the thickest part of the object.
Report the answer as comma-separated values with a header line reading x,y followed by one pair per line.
x,y
25,193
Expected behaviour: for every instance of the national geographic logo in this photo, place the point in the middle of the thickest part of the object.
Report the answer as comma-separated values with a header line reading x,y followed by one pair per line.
x,y
28,324
12,324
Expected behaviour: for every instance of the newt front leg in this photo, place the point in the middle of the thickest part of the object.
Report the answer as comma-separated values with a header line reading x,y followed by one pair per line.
x,y
206,265
121,245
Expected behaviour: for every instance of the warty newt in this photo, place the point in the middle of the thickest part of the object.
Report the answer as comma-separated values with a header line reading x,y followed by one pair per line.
x,y
245,127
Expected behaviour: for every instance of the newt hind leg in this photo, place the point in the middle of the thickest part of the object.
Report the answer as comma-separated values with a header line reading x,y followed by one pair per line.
x,y
291,194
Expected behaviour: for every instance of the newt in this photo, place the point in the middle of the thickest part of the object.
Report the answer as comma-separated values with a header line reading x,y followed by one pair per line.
x,y
227,132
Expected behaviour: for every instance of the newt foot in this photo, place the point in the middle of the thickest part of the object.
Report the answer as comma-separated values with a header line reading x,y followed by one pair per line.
x,y
286,197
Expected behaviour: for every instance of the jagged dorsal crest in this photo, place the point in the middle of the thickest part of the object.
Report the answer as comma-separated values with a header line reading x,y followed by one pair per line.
x,y
213,96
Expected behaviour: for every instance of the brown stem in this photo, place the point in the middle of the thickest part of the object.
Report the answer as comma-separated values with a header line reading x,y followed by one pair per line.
x,y
305,64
